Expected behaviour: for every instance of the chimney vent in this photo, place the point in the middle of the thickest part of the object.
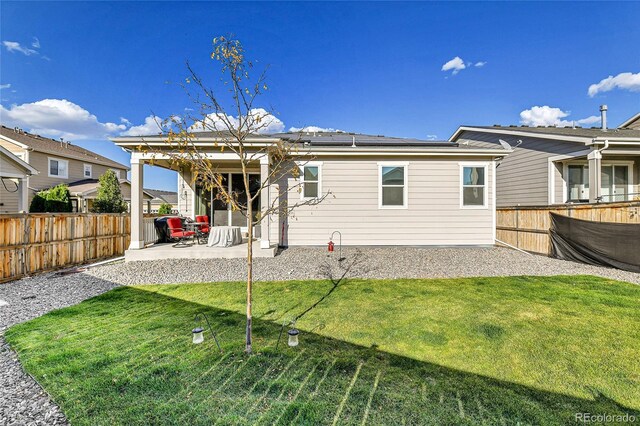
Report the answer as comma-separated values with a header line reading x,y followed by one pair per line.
x,y
603,117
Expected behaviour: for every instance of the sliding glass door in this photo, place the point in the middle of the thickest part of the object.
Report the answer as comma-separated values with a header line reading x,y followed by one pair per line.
x,y
614,182
219,212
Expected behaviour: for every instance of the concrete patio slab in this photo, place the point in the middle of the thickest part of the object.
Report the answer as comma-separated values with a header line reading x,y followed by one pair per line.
x,y
197,251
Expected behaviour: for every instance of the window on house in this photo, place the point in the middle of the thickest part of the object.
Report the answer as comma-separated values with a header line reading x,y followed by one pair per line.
x,y
393,186
87,170
310,181
58,168
117,172
474,186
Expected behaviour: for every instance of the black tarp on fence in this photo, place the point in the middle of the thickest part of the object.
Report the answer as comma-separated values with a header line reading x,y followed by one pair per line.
x,y
596,243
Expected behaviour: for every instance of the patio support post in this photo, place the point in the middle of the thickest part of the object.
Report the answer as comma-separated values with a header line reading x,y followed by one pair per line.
x,y
137,200
23,194
264,203
595,166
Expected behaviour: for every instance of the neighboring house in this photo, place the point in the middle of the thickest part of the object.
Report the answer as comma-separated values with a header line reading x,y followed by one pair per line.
x,y
57,161
555,165
383,190
632,123
85,191
161,197
14,175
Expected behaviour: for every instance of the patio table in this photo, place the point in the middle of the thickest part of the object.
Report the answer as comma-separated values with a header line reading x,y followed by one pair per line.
x,y
224,236
195,226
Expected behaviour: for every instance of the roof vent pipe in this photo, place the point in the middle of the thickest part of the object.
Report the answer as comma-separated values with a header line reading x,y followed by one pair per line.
x,y
603,116
353,144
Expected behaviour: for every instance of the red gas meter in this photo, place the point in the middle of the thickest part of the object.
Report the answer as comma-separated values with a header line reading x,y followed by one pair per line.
x,y
331,245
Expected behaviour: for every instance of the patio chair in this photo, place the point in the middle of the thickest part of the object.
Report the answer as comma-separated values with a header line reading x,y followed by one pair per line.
x,y
203,230
178,233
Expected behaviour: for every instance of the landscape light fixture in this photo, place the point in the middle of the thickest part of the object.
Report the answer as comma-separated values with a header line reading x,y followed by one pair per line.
x,y
292,333
198,332
293,337
198,337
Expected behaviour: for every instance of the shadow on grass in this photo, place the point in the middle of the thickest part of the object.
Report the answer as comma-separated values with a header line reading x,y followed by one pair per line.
x,y
126,357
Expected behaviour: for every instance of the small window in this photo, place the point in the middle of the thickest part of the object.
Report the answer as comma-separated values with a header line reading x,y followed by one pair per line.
x,y
474,186
58,168
117,172
393,186
87,170
311,181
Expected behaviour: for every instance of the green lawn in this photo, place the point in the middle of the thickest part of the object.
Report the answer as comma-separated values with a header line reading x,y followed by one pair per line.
x,y
533,350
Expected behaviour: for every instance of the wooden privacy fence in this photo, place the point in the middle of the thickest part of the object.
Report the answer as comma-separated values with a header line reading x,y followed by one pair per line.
x,y
527,228
31,243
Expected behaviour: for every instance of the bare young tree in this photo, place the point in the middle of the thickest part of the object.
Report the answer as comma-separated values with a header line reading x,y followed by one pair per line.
x,y
230,113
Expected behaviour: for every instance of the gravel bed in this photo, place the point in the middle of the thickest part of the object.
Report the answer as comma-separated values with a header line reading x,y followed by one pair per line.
x,y
387,262
23,402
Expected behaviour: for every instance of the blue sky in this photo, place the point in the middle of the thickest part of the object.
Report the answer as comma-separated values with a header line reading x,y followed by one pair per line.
x,y
365,67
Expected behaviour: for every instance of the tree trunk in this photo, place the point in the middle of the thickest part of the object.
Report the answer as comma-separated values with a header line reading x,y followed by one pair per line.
x,y
249,274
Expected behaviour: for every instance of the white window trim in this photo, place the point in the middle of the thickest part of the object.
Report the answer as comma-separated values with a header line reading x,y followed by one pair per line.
x,y
117,172
59,160
86,167
565,174
302,165
405,193
484,165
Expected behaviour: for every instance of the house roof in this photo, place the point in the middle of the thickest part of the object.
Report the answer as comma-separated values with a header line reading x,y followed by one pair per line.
x,y
59,148
167,196
319,139
338,139
632,123
577,134
87,187
28,170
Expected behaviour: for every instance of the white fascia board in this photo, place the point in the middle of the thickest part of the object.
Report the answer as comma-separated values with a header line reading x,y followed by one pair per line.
x,y
519,132
631,120
23,164
614,140
8,139
137,156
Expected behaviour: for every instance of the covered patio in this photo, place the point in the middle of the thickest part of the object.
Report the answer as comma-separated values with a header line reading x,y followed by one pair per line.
x,y
608,171
194,200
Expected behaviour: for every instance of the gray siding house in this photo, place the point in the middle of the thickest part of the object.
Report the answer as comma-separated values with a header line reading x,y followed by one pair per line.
x,y
383,190
556,165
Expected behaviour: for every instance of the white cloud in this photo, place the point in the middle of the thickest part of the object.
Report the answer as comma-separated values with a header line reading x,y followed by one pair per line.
x,y
313,129
5,86
480,64
263,122
456,64
14,46
624,81
432,137
35,43
150,127
549,116
58,118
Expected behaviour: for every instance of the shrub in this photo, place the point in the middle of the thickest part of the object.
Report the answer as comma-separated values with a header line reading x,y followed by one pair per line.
x,y
52,200
165,208
109,199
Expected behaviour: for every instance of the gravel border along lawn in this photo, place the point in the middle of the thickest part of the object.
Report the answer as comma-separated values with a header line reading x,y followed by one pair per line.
x,y
22,401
